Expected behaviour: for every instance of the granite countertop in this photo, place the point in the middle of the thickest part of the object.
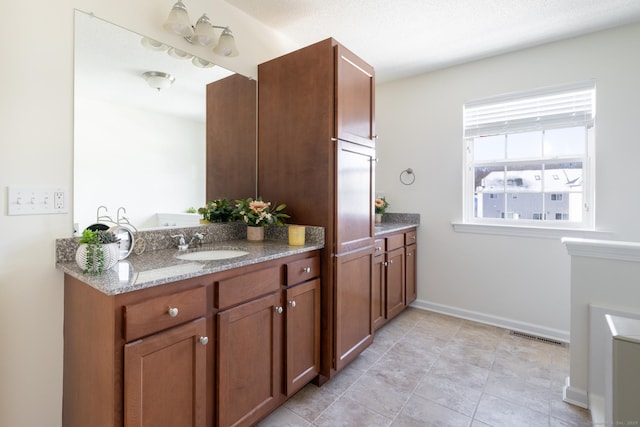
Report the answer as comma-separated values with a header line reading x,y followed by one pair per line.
x,y
393,222
161,266
158,264
389,227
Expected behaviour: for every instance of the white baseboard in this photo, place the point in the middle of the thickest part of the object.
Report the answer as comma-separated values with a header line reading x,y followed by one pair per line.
x,y
502,322
575,396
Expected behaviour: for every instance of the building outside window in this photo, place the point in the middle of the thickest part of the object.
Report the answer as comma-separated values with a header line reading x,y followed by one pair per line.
x,y
529,158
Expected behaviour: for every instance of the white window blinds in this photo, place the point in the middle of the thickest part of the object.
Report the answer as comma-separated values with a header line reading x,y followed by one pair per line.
x,y
564,106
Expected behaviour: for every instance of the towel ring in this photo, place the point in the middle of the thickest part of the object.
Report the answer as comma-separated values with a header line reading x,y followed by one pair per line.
x,y
407,177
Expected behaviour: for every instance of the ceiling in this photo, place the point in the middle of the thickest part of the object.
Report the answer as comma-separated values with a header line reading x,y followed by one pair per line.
x,y
400,38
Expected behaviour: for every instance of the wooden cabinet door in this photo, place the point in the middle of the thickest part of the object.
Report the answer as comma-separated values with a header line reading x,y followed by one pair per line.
x,y
165,378
249,361
378,294
302,361
355,95
231,138
395,282
352,310
411,287
354,196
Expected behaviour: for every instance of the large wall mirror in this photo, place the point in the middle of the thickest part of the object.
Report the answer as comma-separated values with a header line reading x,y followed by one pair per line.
x,y
136,147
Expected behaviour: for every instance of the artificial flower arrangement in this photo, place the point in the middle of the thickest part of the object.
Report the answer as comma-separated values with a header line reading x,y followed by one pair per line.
x,y
381,205
258,213
219,210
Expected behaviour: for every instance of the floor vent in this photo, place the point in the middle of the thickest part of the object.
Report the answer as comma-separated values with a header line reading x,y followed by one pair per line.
x,y
537,338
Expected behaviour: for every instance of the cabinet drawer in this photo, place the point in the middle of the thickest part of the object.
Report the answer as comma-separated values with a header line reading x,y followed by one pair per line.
x,y
410,237
395,242
246,287
303,270
163,312
379,247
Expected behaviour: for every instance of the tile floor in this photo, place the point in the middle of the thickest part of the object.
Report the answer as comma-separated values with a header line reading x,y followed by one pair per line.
x,y
427,369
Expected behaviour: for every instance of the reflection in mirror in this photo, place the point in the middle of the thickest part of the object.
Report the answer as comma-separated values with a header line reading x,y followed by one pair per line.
x,y
135,146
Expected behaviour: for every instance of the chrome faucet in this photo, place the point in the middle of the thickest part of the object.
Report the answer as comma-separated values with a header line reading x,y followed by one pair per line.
x,y
182,244
198,238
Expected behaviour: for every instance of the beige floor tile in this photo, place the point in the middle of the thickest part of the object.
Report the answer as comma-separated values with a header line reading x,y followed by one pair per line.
x,y
283,417
450,394
465,351
520,392
570,415
429,369
511,367
500,413
378,394
311,401
421,341
425,413
401,372
341,382
465,373
346,412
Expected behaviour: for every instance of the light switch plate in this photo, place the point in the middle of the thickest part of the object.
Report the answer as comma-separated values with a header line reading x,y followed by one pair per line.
x,y
36,200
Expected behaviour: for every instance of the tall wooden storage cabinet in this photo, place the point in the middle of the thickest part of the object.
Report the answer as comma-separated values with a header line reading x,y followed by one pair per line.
x,y
231,138
316,154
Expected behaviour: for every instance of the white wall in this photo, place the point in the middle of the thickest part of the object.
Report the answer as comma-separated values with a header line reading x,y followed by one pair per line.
x,y
36,149
514,281
162,172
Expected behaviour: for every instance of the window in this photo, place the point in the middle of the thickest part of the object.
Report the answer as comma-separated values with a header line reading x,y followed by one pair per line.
x,y
529,158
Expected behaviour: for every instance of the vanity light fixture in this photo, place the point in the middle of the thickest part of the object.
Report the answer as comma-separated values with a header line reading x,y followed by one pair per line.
x,y
153,44
202,33
201,63
158,80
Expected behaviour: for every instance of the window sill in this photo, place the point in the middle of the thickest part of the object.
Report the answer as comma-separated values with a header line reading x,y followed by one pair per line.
x,y
527,231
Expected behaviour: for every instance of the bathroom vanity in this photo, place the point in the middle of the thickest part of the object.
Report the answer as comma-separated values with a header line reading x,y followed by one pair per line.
x,y
163,341
167,339
394,285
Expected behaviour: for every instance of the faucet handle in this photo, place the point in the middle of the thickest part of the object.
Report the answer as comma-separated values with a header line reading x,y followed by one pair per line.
x,y
182,245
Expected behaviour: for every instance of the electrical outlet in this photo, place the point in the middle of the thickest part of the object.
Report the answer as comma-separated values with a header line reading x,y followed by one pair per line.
x,y
36,200
58,200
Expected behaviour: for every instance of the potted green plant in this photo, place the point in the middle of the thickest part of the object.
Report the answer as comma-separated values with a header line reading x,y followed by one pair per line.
x,y
381,206
258,214
219,210
98,251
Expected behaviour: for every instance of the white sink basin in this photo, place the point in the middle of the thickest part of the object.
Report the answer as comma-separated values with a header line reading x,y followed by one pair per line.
x,y
211,255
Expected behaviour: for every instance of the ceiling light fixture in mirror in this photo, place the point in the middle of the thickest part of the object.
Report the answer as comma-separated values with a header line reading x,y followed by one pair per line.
x,y
202,33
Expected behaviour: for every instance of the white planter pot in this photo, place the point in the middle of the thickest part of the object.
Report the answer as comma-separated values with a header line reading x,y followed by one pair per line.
x,y
111,257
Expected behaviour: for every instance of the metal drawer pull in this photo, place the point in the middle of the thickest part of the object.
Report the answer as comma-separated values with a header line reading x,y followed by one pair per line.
x,y
292,304
306,270
204,340
173,311
390,261
378,248
279,310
